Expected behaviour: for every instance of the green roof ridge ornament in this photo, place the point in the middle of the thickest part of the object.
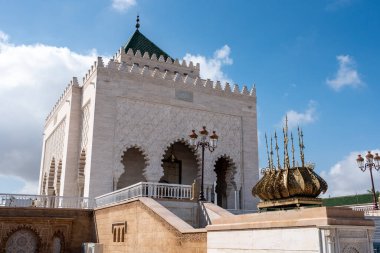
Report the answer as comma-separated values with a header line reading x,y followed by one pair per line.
x,y
138,22
139,42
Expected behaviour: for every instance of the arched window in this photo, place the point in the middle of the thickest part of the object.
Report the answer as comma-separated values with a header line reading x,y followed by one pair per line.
x,y
134,165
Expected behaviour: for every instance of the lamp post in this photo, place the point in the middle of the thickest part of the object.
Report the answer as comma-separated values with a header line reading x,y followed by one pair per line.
x,y
205,141
372,162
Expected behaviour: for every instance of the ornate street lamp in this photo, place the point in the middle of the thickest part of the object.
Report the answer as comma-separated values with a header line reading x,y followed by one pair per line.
x,y
205,141
372,162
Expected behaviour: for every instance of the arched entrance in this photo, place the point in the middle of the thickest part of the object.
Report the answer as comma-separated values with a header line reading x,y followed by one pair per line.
x,y
179,164
134,163
23,240
225,186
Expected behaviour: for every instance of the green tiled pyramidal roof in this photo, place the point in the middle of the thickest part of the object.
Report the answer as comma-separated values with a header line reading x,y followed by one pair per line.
x,y
139,42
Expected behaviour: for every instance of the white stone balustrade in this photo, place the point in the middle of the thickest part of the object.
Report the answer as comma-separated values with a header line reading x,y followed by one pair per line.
x,y
44,201
145,189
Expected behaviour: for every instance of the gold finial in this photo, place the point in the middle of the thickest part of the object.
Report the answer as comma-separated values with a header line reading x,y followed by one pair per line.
x,y
302,147
293,160
266,142
277,148
271,153
286,140
138,22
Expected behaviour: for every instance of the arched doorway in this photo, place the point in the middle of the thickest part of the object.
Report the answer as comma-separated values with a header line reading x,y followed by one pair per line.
x,y
23,240
179,164
134,163
225,186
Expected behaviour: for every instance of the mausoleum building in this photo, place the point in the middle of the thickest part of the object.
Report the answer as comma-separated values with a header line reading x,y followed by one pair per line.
x,y
129,121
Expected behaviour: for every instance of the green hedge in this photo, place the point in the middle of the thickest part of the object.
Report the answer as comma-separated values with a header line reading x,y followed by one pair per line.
x,y
358,199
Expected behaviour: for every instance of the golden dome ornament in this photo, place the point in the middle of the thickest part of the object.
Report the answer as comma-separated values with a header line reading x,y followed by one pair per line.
x,y
292,185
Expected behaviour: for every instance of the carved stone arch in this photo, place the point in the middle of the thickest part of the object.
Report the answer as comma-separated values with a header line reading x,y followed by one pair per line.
x,y
233,169
187,143
57,179
23,237
51,177
188,164
225,187
133,156
119,168
58,243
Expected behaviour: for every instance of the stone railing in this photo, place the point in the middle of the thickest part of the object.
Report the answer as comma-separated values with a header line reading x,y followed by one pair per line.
x,y
44,201
146,189
368,210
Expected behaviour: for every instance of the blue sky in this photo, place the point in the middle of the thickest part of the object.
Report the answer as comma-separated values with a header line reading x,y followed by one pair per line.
x,y
317,61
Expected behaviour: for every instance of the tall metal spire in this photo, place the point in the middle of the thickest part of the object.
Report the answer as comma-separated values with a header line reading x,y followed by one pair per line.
x,y
302,147
271,153
266,142
137,22
293,160
286,140
277,148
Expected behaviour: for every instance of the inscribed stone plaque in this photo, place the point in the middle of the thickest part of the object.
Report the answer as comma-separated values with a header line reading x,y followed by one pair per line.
x,y
184,95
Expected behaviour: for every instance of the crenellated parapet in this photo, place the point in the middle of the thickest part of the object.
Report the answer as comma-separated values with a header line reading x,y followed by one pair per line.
x,y
185,75
157,61
150,70
62,98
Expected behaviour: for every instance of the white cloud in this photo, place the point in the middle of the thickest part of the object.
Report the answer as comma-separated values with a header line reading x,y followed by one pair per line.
x,y
32,77
3,37
123,5
211,68
301,118
345,178
347,75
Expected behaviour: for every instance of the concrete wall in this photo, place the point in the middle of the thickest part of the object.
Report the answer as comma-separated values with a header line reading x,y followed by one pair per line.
x,y
75,225
325,230
149,228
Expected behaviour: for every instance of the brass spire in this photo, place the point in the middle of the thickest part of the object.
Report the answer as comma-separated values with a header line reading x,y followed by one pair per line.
x,y
138,22
293,160
302,147
266,143
286,140
271,153
277,148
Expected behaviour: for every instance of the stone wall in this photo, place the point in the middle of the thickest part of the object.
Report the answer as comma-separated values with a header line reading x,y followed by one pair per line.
x,y
148,227
67,227
320,229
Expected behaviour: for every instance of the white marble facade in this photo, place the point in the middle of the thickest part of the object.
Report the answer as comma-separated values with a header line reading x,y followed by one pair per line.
x,y
147,103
